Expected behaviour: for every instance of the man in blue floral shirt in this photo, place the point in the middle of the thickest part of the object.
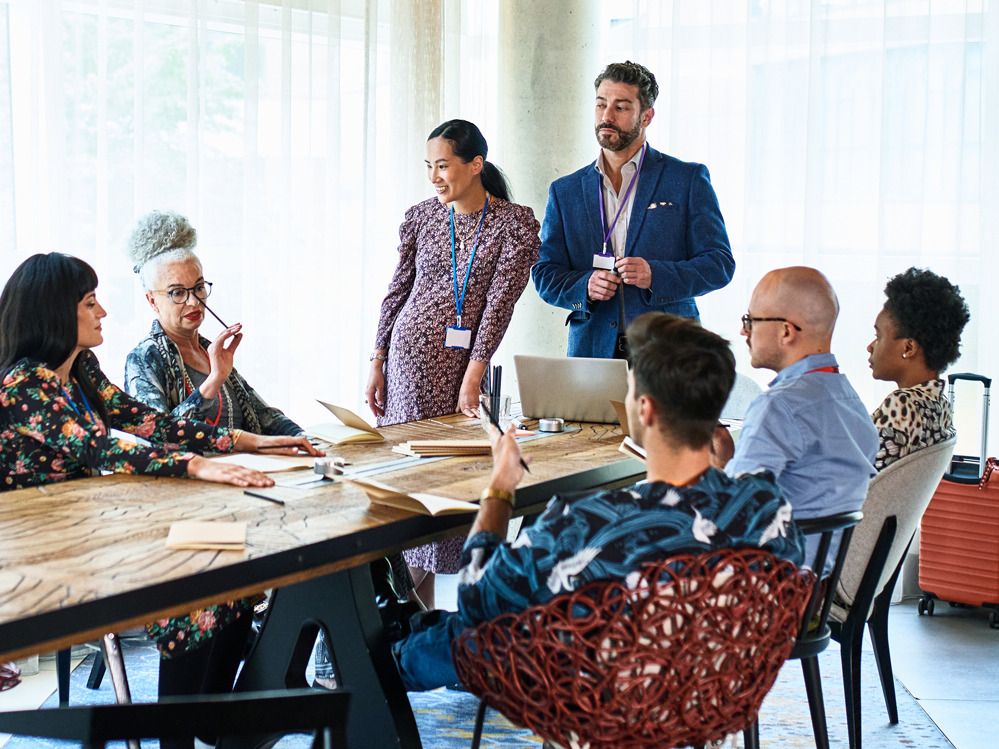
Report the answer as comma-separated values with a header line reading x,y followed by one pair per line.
x,y
680,378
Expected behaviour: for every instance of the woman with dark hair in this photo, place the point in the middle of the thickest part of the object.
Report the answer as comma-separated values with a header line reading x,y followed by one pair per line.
x,y
57,413
464,259
916,336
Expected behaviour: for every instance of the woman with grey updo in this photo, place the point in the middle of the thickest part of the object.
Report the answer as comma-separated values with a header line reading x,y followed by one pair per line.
x,y
174,369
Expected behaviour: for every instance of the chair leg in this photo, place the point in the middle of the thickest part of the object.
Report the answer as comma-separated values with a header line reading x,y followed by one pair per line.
x,y
751,736
850,655
323,739
97,670
62,675
878,627
111,650
480,717
813,687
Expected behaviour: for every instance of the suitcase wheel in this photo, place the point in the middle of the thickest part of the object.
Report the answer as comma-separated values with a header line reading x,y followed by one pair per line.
x,y
925,606
994,619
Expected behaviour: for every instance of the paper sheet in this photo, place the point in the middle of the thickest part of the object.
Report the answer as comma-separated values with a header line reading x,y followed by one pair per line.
x,y
207,535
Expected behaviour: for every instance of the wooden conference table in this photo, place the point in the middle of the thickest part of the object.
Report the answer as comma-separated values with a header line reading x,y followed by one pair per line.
x,y
83,558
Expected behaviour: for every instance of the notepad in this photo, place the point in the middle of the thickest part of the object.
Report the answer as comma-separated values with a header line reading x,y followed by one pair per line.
x,y
443,448
422,504
352,428
629,447
267,463
206,535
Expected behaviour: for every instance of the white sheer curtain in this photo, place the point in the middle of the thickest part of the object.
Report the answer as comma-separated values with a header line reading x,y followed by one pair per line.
x,y
290,133
857,136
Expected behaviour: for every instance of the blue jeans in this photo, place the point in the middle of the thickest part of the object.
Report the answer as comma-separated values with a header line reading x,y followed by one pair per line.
x,y
424,656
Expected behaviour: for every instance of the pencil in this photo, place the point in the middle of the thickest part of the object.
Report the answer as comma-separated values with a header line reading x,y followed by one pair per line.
x,y
212,313
275,500
496,424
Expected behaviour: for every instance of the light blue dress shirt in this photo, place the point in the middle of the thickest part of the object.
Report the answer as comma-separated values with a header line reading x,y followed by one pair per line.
x,y
811,430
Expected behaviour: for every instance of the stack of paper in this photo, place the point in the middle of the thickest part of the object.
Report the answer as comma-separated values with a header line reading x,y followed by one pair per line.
x,y
443,448
206,535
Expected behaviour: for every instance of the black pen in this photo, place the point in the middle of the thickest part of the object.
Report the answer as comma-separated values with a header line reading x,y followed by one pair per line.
x,y
213,314
496,424
275,500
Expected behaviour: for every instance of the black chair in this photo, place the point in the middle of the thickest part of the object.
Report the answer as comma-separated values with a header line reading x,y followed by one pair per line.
x,y
814,632
109,652
321,712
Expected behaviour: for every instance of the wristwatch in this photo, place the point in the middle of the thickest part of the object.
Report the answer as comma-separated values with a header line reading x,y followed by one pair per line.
x,y
490,493
378,357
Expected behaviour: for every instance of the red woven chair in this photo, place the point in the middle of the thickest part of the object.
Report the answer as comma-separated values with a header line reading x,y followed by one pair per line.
x,y
682,656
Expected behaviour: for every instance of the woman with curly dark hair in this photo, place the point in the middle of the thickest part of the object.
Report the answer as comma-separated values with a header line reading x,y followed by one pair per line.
x,y
916,336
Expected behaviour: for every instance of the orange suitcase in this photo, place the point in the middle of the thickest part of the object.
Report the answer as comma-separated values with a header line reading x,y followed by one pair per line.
x,y
959,532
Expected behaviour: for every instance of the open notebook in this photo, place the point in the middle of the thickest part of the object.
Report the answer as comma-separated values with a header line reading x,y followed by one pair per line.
x,y
423,504
351,428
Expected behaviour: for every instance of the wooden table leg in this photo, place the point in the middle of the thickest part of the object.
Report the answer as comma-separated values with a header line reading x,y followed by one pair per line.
x,y
343,603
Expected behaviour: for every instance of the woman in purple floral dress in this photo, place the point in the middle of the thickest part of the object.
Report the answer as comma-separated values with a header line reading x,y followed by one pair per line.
x,y
464,260
57,410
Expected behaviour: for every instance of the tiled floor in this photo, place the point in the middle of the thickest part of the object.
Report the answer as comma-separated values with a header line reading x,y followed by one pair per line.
x,y
948,662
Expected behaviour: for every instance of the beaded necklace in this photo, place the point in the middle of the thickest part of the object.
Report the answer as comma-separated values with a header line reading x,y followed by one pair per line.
x,y
224,395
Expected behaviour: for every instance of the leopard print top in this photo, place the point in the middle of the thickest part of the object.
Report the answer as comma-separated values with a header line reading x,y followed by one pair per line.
x,y
910,419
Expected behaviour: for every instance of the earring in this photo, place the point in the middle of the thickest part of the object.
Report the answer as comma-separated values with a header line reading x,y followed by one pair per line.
x,y
905,356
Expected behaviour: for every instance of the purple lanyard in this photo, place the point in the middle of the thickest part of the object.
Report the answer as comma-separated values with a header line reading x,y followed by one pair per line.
x,y
624,201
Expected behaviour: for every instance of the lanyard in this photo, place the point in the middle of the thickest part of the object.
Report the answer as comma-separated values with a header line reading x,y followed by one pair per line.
x,y
76,410
834,370
459,301
624,201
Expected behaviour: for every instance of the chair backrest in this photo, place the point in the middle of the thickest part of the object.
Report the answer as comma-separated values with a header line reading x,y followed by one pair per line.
x,y
680,654
814,633
903,490
743,392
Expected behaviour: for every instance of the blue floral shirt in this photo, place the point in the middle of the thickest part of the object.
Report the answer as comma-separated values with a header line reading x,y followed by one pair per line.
x,y
607,535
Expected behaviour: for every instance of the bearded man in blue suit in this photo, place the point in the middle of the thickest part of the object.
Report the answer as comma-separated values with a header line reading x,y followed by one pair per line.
x,y
632,232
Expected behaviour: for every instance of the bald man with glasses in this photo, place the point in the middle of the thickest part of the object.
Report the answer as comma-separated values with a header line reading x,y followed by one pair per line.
x,y
809,428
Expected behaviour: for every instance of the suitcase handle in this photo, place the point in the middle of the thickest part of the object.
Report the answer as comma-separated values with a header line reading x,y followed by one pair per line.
x,y
986,381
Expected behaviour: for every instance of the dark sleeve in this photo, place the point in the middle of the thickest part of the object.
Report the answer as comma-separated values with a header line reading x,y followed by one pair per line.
x,y
402,280
709,264
146,380
556,281
272,420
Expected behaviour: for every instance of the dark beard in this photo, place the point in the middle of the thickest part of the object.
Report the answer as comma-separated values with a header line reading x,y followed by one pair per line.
x,y
624,140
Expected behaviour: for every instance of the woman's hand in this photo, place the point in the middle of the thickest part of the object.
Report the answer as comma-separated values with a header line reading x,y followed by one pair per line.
x,y
374,393
249,442
221,352
225,473
471,388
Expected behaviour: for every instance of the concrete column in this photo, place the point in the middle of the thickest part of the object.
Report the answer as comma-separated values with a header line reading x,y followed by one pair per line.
x,y
547,63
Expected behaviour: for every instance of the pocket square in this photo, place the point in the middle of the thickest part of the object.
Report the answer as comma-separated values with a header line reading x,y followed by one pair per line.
x,y
653,205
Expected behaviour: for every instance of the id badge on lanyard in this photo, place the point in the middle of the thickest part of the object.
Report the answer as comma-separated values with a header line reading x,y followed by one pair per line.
x,y
458,336
605,259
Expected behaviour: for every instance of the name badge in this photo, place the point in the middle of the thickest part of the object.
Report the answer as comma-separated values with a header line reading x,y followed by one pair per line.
x,y
603,261
457,337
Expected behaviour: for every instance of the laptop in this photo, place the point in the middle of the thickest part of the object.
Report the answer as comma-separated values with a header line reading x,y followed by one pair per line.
x,y
574,388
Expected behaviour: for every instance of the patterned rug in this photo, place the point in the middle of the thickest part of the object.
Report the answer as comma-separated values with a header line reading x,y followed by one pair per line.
x,y
446,718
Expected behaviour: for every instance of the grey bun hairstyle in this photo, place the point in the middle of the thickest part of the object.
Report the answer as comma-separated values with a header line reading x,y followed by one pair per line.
x,y
159,232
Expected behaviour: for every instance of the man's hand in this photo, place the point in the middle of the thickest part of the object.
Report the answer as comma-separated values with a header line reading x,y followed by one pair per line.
x,y
635,271
722,447
507,470
602,285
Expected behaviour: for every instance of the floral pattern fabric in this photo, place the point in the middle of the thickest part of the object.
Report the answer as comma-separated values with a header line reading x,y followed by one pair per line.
x,y
422,377
155,374
46,437
910,419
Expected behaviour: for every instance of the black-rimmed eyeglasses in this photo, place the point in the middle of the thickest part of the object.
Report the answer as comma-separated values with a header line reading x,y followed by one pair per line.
x,y
180,294
748,320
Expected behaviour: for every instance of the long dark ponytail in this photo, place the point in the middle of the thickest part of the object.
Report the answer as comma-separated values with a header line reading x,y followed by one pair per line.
x,y
38,316
467,143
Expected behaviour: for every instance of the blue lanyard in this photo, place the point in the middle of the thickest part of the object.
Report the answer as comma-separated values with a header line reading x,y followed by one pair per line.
x,y
624,201
76,410
459,301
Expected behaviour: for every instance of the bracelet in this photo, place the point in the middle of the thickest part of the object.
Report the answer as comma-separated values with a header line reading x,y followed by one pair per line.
x,y
236,434
377,357
490,493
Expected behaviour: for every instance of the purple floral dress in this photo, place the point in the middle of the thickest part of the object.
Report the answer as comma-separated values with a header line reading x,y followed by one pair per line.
x,y
422,378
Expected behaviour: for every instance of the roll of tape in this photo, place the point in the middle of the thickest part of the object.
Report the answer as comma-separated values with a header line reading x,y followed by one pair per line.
x,y
551,425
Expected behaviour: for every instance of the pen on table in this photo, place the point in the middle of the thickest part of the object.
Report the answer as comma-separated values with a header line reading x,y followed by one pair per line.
x,y
496,424
440,423
275,500
212,313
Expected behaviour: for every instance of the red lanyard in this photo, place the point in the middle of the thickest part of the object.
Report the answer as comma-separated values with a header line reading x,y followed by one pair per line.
x,y
218,416
834,370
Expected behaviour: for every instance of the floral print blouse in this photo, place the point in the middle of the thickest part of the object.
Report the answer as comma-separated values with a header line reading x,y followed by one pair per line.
x,y
910,419
46,437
